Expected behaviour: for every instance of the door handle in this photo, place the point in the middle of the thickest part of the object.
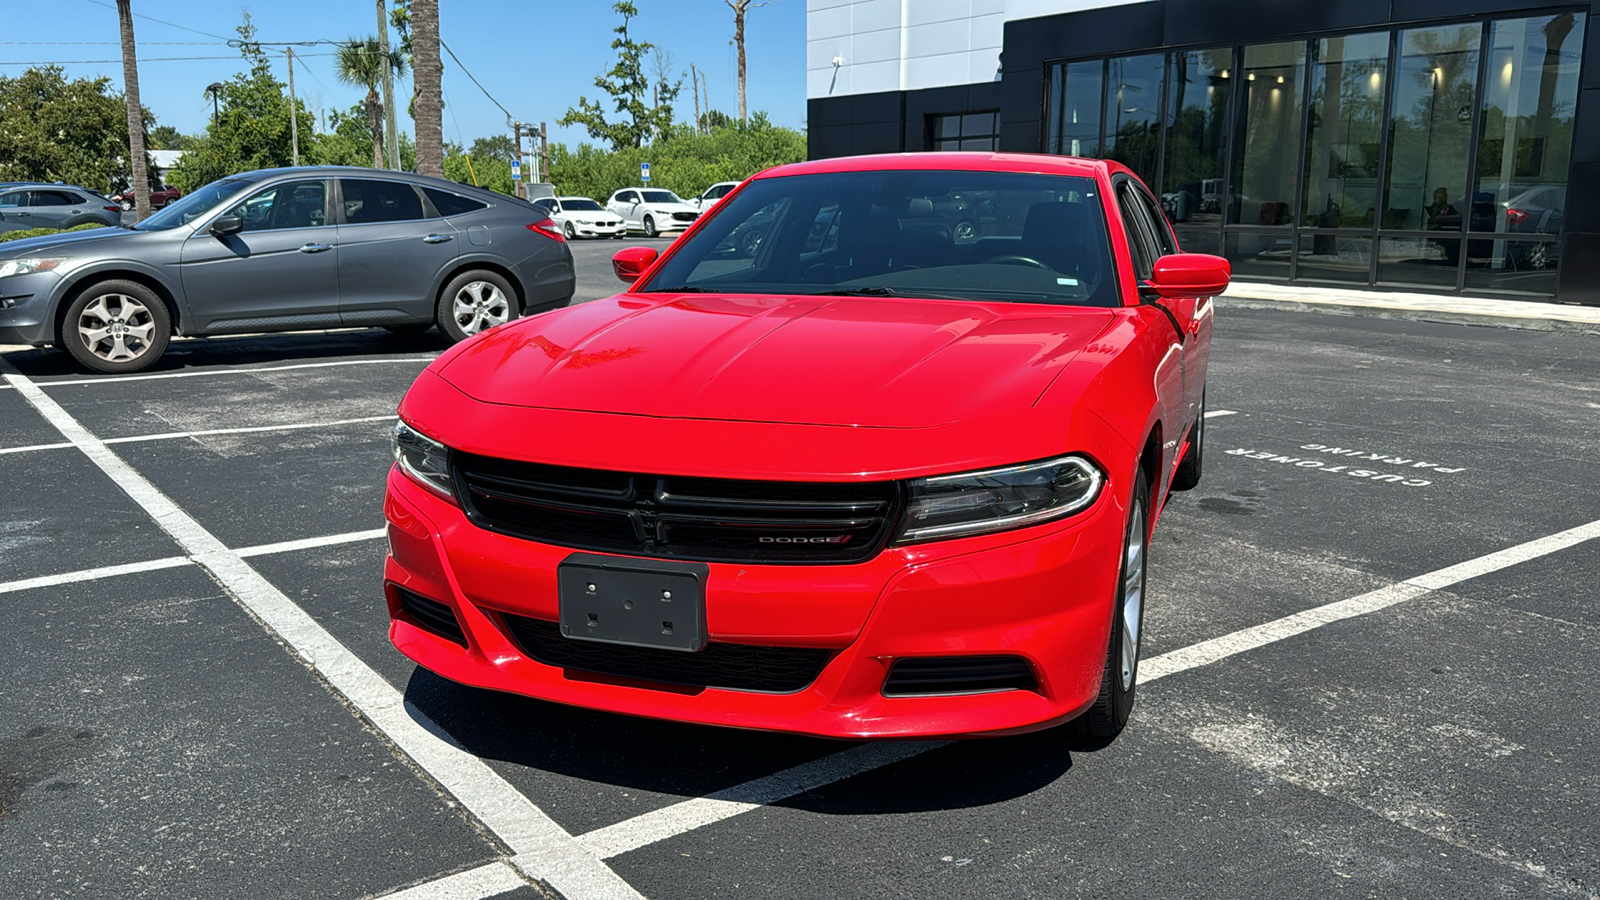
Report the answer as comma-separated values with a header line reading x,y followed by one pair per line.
x,y
315,248
436,238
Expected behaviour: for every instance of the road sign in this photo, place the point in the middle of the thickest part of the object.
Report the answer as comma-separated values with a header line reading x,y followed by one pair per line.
x,y
516,170
644,172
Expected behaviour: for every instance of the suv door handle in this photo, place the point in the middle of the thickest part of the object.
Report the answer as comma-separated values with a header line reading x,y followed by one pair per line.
x,y
436,238
315,248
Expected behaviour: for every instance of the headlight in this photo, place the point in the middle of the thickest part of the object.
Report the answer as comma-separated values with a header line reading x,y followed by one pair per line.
x,y
30,264
949,506
424,459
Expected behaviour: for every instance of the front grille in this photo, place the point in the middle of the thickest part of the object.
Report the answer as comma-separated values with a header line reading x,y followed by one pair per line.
x,y
431,615
673,517
685,216
735,667
959,675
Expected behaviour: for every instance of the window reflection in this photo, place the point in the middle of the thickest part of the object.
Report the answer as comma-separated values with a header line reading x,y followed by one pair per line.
x,y
1347,88
1430,131
1133,113
1198,86
1075,108
1267,140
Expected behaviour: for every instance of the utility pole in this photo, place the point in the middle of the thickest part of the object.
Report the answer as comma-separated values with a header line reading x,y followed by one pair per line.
x,y
544,153
391,136
694,85
294,110
516,154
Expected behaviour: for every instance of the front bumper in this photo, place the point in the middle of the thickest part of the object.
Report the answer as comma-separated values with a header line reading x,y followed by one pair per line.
x,y
591,230
25,313
1044,594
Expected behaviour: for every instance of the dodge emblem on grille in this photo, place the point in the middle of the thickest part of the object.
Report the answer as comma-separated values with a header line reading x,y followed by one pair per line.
x,y
831,539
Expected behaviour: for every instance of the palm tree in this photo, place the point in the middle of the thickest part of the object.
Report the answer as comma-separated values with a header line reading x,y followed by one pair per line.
x,y
360,63
130,83
425,81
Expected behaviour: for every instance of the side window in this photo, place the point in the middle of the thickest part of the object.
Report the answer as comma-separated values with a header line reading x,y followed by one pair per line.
x,y
14,199
367,201
1160,230
449,204
1141,244
298,204
50,198
628,197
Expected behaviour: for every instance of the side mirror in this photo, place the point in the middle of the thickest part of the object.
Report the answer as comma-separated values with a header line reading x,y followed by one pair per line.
x,y
1190,275
225,225
630,262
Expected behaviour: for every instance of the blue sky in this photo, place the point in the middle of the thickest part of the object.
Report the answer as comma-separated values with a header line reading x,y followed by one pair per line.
x,y
536,58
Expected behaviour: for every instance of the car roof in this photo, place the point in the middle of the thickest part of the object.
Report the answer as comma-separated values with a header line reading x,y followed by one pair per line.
x,y
1042,163
573,197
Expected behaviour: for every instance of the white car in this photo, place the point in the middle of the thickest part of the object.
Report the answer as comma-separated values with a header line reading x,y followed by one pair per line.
x,y
652,210
582,217
714,195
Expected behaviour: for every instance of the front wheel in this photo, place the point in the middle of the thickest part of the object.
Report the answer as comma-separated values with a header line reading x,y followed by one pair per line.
x,y
1120,678
475,301
116,327
650,227
572,233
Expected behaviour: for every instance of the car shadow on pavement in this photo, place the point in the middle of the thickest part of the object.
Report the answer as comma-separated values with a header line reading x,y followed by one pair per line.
x,y
246,350
695,760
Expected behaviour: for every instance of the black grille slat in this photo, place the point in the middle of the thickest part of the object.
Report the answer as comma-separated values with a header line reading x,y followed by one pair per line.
x,y
738,667
432,615
675,517
959,675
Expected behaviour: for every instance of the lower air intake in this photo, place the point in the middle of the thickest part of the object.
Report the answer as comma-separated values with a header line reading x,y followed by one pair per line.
x,y
921,676
431,615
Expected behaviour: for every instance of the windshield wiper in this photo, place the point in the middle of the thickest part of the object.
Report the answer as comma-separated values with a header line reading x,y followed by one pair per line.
x,y
878,291
684,289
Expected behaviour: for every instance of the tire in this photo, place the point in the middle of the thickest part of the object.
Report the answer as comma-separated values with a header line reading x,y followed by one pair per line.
x,y
127,205
572,233
750,244
116,327
619,235
475,301
1188,475
1119,680
1538,256
650,227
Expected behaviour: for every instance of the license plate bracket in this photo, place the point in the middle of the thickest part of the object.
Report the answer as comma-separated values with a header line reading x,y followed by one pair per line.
x,y
658,604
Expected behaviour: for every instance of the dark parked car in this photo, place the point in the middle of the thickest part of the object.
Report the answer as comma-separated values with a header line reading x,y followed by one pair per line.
x,y
286,250
24,206
1531,210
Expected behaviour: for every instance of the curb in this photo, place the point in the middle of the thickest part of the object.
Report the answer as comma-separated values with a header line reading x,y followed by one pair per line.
x,y
1526,315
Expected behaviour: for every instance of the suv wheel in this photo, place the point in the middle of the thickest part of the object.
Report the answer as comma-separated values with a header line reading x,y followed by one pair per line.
x,y
116,327
475,301
650,227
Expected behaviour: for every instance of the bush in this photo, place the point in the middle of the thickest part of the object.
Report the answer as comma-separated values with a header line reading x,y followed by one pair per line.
x,y
41,232
682,161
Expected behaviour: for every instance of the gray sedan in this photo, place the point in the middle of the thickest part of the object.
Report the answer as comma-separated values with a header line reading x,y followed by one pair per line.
x,y
286,250
24,206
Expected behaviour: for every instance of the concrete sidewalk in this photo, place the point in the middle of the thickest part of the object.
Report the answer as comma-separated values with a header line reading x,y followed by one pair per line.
x,y
1529,314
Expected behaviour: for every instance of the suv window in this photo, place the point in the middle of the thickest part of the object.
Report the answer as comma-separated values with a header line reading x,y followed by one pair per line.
x,y
627,197
55,198
15,198
367,201
297,204
449,204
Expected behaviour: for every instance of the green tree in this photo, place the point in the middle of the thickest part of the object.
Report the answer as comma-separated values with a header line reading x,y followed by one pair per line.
x,y
140,177
360,63
681,161
644,110
495,146
252,129
52,129
166,137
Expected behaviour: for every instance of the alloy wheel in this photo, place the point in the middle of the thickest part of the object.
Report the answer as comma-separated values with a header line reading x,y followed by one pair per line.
x,y
116,328
479,305
1132,595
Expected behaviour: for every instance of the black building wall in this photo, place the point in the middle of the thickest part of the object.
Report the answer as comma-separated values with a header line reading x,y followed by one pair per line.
x,y
893,121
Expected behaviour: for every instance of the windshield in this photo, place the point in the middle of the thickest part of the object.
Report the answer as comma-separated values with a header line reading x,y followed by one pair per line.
x,y
1020,237
660,197
579,204
194,206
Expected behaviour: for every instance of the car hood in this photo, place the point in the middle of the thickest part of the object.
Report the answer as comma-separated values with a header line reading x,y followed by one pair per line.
x,y
845,361
67,240
670,207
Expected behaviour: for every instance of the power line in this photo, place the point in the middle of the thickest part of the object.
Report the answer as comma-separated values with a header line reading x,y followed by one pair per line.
x,y
142,60
107,43
509,116
162,22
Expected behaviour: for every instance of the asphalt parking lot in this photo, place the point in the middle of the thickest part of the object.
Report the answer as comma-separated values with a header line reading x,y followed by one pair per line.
x,y
1372,645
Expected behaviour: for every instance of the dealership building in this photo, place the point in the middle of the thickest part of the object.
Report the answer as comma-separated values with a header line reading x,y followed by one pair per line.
x,y
1420,145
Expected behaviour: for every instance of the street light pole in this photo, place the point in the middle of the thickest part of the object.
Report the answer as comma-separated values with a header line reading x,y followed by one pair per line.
x,y
214,89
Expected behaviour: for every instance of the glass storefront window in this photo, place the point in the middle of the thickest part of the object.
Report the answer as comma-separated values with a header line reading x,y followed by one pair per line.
x,y
1430,129
1345,131
1525,131
1267,137
1074,116
1133,113
1419,261
1259,254
1199,83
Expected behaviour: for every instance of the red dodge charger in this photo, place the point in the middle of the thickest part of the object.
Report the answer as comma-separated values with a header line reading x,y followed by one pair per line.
x,y
873,450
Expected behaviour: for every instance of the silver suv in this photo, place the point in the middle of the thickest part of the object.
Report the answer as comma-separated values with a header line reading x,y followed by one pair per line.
x,y
24,206
286,250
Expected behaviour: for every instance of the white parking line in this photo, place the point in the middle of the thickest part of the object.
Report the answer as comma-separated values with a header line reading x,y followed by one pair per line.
x,y
237,371
473,884
307,543
28,584
177,435
32,447
1219,413
543,850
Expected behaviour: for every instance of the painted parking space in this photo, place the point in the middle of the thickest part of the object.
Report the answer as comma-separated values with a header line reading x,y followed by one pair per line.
x,y
23,426
1189,801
